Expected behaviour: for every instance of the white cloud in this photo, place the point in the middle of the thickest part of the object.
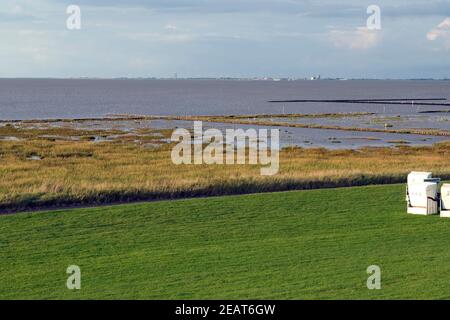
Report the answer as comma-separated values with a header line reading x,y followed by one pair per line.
x,y
361,38
161,37
441,32
170,27
16,9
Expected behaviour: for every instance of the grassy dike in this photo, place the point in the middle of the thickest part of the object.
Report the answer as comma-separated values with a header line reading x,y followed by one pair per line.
x,y
314,244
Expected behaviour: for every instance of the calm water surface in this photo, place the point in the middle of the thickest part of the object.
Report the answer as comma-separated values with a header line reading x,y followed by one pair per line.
x,y
81,98
53,98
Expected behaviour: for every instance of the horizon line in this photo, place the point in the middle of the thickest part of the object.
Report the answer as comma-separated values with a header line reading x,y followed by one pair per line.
x,y
255,78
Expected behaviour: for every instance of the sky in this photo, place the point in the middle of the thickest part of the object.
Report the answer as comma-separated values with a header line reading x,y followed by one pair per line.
x,y
225,38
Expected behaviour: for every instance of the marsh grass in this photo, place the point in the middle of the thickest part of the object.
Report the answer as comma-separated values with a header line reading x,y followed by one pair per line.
x,y
39,172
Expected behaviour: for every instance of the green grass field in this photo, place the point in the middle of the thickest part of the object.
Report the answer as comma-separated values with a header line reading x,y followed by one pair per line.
x,y
295,245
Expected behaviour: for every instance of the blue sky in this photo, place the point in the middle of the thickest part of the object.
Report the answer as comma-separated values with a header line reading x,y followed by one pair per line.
x,y
238,38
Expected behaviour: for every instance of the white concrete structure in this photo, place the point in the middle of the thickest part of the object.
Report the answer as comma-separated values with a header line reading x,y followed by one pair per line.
x,y
445,201
422,193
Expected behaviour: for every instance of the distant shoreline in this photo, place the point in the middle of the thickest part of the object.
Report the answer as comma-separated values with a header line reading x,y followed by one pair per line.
x,y
269,79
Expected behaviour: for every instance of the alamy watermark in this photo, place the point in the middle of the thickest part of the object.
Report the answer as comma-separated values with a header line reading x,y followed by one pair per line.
x,y
374,20
211,147
74,280
73,22
374,279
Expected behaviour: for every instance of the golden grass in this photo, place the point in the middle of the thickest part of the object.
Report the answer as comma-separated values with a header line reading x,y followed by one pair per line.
x,y
81,172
